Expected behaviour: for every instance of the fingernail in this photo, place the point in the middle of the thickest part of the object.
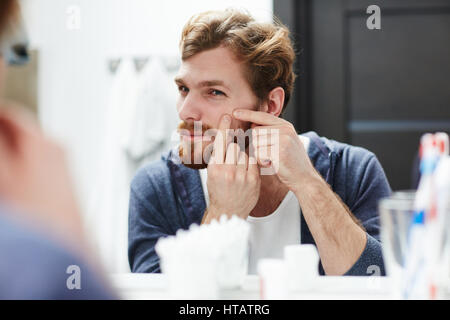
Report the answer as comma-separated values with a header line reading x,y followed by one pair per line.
x,y
237,113
226,118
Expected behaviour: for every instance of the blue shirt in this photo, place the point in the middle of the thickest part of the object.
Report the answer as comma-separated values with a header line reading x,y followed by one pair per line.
x,y
166,196
33,267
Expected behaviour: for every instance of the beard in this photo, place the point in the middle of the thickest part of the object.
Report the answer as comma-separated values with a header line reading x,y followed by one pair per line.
x,y
196,154
192,153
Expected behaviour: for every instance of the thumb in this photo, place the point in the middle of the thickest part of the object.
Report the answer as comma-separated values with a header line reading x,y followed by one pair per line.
x,y
220,141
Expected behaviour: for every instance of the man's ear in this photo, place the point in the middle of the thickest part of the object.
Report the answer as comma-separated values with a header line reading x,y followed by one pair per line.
x,y
275,101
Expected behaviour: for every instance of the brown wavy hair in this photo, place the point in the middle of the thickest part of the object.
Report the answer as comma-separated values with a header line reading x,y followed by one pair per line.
x,y
265,48
8,11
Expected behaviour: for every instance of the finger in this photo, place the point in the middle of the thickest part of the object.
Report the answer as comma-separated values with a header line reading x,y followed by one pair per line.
x,y
263,137
258,117
264,141
232,154
264,162
242,161
262,130
261,146
263,156
241,137
220,141
253,168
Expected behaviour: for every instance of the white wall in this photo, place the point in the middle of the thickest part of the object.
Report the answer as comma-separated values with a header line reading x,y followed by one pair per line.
x,y
73,75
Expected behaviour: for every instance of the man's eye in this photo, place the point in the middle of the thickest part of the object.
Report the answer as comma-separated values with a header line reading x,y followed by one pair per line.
x,y
216,92
183,89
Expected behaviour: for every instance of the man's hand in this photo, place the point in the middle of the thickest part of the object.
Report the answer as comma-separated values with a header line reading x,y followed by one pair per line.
x,y
277,145
339,239
233,178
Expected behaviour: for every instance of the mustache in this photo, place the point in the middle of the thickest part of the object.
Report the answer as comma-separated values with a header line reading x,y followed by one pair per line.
x,y
195,126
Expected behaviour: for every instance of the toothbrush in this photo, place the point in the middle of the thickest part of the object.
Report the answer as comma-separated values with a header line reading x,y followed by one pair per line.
x,y
415,275
435,219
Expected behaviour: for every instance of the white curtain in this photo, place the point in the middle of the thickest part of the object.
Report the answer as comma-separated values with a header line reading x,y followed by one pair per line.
x,y
154,117
140,121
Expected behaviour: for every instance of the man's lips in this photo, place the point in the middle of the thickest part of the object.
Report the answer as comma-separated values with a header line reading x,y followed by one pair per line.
x,y
194,137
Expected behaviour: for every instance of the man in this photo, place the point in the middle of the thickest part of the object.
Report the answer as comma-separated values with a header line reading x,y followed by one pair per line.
x,y
43,254
237,73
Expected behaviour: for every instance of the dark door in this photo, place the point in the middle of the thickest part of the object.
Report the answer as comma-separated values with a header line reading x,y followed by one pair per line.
x,y
379,89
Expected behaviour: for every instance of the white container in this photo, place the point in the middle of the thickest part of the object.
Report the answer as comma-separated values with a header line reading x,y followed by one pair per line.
x,y
190,279
204,259
272,279
233,267
302,263
231,239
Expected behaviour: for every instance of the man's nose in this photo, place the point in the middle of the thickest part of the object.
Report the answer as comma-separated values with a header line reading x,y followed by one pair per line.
x,y
190,109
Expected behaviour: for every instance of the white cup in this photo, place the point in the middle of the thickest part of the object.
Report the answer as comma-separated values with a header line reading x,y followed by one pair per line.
x,y
192,280
302,262
233,266
272,279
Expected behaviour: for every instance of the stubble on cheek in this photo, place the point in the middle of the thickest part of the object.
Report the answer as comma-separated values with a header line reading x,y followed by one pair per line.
x,y
192,154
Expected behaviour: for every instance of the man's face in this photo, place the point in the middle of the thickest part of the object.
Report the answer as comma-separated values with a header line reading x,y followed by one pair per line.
x,y
211,84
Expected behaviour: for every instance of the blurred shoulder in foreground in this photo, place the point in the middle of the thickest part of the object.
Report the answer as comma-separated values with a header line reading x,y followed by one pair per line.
x,y
44,253
34,267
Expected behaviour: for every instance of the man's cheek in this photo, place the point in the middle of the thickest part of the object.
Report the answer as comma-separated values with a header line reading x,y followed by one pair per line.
x,y
178,105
